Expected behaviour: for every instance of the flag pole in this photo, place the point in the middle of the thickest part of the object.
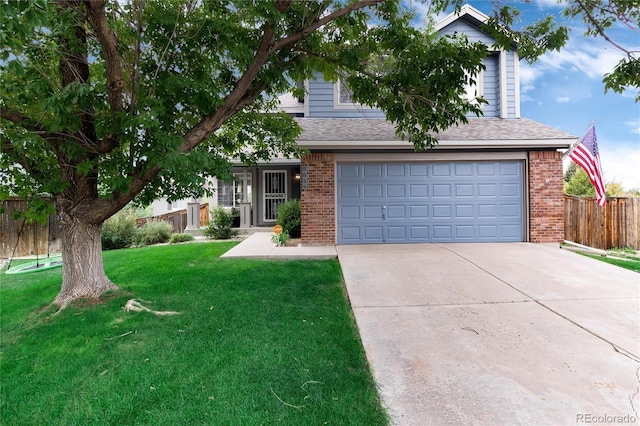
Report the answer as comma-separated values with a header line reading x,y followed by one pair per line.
x,y
572,147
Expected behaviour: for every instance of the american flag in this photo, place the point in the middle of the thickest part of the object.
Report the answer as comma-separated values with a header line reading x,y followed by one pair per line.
x,y
586,155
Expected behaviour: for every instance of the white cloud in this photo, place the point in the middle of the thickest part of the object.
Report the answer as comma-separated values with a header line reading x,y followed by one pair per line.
x,y
563,99
594,58
546,4
634,126
529,74
620,164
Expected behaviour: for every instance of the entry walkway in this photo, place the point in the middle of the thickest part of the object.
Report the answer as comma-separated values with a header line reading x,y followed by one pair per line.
x,y
259,245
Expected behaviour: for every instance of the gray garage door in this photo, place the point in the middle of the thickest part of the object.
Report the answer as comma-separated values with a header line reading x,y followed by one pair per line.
x,y
430,202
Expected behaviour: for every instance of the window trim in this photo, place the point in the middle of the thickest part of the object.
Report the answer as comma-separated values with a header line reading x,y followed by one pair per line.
x,y
345,105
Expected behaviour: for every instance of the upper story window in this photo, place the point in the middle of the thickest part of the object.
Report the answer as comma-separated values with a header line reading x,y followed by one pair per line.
x,y
476,89
342,96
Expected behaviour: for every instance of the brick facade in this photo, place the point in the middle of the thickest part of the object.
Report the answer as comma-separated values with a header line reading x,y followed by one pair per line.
x,y
318,201
546,202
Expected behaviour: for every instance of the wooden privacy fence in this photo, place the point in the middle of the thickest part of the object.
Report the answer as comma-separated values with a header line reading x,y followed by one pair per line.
x,y
616,225
34,238
40,239
178,219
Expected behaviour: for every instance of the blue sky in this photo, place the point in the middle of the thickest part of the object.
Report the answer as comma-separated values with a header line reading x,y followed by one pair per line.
x,y
565,90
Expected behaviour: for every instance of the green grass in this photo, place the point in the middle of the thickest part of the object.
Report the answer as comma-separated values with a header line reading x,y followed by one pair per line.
x,y
629,263
256,343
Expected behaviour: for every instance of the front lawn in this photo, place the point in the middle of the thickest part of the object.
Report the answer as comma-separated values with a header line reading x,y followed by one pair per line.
x,y
627,263
255,343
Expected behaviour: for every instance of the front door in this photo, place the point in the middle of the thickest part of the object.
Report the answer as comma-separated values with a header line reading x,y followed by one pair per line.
x,y
274,192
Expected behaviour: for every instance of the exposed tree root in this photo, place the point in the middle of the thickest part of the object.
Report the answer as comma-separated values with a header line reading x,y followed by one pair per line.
x,y
134,305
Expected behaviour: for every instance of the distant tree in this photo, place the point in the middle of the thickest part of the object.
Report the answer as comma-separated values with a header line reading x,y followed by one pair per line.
x,y
570,172
580,185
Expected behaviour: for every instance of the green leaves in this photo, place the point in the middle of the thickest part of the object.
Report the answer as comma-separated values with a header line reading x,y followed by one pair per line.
x,y
625,74
197,92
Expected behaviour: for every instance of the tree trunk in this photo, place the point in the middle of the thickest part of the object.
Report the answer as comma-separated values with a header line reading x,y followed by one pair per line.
x,y
82,268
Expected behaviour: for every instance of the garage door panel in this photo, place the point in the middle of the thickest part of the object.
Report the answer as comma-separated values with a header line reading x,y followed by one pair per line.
x,y
373,233
464,232
510,190
511,232
464,211
350,212
396,191
396,170
463,169
348,171
373,191
396,233
441,190
442,211
417,190
419,233
442,232
510,211
424,202
372,212
418,170
372,170
487,190
350,234
396,212
440,170
487,231
350,191
488,211
418,212
487,169
463,190
513,169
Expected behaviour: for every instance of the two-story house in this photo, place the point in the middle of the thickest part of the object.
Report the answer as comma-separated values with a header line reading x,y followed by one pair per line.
x,y
496,179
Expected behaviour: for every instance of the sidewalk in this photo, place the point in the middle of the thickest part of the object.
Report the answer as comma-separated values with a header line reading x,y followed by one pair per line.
x,y
259,246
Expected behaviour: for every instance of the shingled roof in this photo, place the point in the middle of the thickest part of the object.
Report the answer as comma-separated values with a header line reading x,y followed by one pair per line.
x,y
372,133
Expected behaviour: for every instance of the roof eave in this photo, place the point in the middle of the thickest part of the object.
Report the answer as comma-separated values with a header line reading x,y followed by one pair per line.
x,y
529,144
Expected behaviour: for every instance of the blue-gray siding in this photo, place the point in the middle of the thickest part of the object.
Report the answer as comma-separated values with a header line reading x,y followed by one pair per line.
x,y
321,103
460,201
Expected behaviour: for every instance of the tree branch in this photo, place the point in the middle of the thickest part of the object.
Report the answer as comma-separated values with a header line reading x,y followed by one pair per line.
x,y
6,148
110,48
600,30
317,23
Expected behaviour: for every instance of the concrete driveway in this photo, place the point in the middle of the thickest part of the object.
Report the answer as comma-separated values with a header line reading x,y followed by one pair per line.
x,y
497,334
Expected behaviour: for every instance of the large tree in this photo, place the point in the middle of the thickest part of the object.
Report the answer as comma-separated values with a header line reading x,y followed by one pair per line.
x,y
107,103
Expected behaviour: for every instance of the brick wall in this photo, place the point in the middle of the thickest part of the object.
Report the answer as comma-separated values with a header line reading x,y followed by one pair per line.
x,y
546,202
317,202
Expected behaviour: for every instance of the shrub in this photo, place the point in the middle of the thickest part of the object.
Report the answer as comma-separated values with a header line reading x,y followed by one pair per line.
x,y
154,232
119,231
219,227
289,217
180,238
